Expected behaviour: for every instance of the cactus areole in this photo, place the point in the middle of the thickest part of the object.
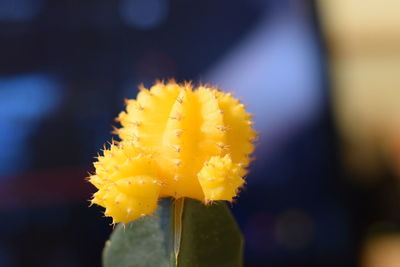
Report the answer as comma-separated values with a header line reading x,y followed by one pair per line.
x,y
175,141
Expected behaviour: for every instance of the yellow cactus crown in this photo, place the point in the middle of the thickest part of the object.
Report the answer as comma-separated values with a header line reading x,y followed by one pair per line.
x,y
176,141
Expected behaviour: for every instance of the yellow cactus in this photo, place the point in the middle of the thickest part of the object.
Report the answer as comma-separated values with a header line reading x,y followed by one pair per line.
x,y
176,141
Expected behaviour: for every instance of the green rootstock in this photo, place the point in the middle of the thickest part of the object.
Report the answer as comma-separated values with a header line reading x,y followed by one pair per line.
x,y
182,233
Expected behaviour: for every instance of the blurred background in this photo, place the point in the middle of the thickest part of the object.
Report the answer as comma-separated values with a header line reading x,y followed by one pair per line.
x,y
322,78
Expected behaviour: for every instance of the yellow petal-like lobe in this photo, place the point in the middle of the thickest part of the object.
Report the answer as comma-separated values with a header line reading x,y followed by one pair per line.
x,y
129,198
145,119
240,134
128,183
220,178
176,141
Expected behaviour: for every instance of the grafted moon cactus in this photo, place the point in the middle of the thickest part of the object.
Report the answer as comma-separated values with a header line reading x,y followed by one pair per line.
x,y
176,141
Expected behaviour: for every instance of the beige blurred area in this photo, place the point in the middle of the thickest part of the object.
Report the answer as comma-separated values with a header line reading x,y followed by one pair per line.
x,y
363,38
381,251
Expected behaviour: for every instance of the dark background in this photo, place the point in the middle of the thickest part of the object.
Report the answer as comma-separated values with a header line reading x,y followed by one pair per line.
x,y
67,65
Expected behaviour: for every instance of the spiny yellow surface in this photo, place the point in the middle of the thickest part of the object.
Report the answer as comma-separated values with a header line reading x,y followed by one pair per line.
x,y
176,141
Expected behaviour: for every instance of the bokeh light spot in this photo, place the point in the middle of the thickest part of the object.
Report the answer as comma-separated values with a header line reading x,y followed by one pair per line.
x,y
143,14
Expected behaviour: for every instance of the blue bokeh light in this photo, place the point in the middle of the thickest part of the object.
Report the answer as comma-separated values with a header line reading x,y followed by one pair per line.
x,y
143,14
19,10
24,99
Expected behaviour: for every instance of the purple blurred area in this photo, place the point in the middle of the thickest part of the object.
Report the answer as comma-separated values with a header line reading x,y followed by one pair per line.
x,y
66,67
